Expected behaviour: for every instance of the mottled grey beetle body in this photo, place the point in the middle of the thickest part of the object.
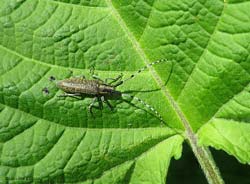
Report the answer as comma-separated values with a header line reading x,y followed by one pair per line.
x,y
86,87
96,88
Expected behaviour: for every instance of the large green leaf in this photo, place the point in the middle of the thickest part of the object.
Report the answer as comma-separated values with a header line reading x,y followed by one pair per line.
x,y
202,91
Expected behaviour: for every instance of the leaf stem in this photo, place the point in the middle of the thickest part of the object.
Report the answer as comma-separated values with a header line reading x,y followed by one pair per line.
x,y
202,153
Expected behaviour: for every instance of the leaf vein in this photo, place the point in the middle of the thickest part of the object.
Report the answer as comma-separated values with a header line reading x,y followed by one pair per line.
x,y
224,104
73,4
204,51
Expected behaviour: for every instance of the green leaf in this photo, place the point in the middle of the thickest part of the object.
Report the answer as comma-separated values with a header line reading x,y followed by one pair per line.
x,y
201,92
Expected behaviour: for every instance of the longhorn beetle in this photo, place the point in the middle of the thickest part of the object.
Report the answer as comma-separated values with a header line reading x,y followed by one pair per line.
x,y
100,90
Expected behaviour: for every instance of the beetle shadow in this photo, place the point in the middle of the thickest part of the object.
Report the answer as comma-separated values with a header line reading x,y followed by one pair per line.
x,y
138,107
141,91
170,73
119,99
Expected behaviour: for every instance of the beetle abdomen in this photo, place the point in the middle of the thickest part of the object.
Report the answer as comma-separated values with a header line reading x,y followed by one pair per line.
x,y
78,85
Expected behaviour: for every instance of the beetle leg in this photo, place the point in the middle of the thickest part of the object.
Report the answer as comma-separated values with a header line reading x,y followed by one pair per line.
x,y
100,102
90,107
108,103
80,76
92,70
119,77
97,78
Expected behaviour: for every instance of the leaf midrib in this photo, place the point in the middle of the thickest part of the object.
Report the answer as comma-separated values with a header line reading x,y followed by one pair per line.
x,y
144,58
202,154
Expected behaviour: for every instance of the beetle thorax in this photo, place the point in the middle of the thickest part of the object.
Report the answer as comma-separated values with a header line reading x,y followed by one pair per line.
x,y
106,89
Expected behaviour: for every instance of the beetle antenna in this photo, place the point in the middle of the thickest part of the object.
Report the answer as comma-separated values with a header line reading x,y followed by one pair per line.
x,y
139,71
146,105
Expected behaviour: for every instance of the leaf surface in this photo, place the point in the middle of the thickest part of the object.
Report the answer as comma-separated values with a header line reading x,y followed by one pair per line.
x,y
202,91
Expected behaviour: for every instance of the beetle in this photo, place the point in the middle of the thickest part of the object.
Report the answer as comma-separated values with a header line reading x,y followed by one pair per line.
x,y
96,88
100,90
